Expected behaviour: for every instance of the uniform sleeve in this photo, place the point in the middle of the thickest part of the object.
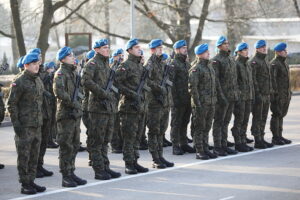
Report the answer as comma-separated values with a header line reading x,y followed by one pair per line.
x,y
60,90
173,77
274,74
16,91
88,81
193,86
121,79
216,66
254,66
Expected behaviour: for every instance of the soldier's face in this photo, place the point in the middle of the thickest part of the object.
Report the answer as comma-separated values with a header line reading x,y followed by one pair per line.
x,y
183,50
33,67
204,55
69,59
158,50
282,53
262,50
224,46
244,52
104,50
135,50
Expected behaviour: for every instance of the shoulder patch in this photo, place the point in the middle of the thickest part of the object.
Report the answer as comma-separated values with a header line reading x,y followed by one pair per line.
x,y
13,84
59,73
122,69
194,70
253,62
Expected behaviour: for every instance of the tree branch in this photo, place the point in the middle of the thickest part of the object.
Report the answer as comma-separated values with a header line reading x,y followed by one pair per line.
x,y
6,34
59,4
297,7
70,14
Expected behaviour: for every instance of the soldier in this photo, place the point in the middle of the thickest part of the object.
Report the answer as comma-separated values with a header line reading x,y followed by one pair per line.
x,y
282,93
181,109
242,108
262,88
227,95
158,97
25,108
131,106
46,75
117,141
68,117
2,112
101,109
202,88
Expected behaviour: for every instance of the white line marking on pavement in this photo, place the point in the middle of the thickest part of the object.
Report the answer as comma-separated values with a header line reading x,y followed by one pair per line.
x,y
151,172
227,198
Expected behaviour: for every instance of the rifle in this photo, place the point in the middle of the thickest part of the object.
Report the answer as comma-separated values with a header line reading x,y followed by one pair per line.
x,y
165,82
76,92
109,86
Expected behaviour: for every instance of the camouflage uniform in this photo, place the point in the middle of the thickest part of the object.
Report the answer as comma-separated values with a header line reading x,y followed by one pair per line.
x,y
242,108
202,88
68,118
101,110
25,107
181,109
282,94
227,94
117,140
132,115
262,87
2,106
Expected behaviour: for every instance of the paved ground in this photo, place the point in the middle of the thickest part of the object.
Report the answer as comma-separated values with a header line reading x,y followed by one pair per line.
x,y
261,174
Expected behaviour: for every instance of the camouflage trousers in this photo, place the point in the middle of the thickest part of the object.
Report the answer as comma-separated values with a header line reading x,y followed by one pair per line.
x,y
180,117
117,140
279,108
241,114
222,118
260,112
100,134
46,128
132,125
2,109
27,142
202,121
68,138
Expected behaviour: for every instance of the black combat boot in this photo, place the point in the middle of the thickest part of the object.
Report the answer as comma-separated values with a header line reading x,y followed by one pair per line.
x,y
143,145
268,145
139,168
157,163
277,141
52,145
241,148
189,140
44,171
210,154
167,142
230,151
230,144
112,173
38,188
78,180
219,151
67,181
286,141
27,189
187,148
167,163
39,174
248,140
129,168
1,166
177,150
102,175
249,148
202,156
259,144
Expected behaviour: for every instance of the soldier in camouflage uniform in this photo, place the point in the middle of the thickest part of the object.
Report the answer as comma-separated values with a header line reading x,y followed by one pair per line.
x,y
101,108
131,106
203,92
227,95
25,108
262,88
282,93
158,97
181,109
48,104
68,117
242,108
2,112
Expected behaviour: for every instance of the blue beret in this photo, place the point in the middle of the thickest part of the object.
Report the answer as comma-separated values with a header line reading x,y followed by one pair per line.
x,y
30,58
20,64
63,52
179,44
259,44
155,43
280,46
35,50
117,52
241,46
221,40
131,43
49,65
100,43
200,49
165,56
90,54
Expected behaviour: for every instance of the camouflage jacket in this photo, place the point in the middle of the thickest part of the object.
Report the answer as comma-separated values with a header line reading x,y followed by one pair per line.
x,y
244,78
95,76
226,76
261,74
25,100
202,84
280,77
128,77
180,79
64,87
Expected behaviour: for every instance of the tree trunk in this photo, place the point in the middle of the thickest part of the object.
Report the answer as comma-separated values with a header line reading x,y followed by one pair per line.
x,y
106,22
232,34
14,47
14,5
